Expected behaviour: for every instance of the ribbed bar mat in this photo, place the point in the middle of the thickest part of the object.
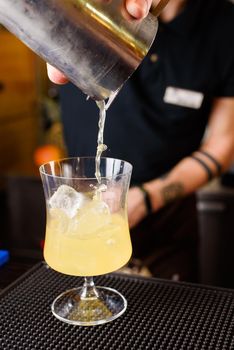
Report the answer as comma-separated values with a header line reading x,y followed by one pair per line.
x,y
161,315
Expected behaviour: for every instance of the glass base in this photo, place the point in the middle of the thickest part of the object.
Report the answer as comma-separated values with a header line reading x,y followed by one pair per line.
x,y
71,307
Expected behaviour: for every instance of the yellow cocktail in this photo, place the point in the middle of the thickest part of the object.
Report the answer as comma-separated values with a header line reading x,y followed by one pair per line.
x,y
93,242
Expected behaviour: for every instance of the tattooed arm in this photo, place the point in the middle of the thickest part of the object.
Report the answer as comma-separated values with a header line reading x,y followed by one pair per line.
x,y
189,174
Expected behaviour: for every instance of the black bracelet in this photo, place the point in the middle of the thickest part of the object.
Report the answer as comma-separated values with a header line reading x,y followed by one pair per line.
x,y
205,166
217,164
146,199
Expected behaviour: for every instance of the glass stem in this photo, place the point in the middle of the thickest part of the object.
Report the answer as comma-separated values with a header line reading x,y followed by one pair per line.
x,y
89,290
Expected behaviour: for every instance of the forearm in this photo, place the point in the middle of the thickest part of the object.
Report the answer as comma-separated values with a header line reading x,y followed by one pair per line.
x,y
183,179
186,177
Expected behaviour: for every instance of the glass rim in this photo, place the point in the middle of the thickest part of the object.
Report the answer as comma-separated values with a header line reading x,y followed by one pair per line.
x,y
63,160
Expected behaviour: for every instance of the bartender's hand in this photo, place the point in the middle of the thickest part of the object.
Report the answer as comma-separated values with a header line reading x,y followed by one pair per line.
x,y
136,9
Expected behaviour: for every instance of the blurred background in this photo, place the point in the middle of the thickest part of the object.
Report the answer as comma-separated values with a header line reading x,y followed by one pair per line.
x,y
31,133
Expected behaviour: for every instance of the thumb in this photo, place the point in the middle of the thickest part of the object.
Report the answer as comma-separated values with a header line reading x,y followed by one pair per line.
x,y
55,75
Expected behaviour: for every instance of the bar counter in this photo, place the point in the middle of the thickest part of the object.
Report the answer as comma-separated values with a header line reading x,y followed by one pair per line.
x,y
161,315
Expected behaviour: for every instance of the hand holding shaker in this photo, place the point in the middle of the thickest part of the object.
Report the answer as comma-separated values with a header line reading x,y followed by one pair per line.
x,y
90,41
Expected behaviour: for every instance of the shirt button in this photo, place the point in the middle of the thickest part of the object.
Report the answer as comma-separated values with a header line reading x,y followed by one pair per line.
x,y
153,57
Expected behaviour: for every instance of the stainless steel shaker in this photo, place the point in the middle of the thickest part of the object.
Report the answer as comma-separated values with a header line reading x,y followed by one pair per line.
x,y
90,41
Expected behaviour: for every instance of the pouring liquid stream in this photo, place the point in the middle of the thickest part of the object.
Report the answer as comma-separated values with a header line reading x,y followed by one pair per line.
x,y
101,147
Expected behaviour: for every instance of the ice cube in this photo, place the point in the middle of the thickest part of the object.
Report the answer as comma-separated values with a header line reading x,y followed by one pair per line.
x,y
67,199
93,219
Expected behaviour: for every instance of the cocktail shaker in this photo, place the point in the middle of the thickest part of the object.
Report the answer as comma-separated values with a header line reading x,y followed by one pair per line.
x,y
90,41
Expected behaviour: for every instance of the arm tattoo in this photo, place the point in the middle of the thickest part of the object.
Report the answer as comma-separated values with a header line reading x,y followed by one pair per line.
x,y
172,192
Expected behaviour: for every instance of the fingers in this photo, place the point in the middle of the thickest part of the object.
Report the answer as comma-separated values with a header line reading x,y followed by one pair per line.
x,y
56,76
138,9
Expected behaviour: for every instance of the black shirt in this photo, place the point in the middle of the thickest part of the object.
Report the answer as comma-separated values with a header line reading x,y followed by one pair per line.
x,y
161,113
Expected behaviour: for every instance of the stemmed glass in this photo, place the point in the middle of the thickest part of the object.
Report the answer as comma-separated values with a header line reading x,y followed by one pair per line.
x,y
87,234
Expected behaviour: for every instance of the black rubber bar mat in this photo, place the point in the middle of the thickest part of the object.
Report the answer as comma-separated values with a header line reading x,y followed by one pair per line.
x,y
161,315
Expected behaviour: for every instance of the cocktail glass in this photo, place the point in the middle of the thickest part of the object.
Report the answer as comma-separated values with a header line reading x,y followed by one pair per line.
x,y
87,234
